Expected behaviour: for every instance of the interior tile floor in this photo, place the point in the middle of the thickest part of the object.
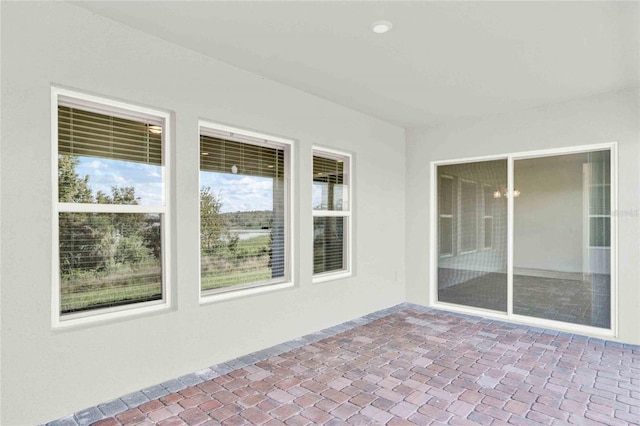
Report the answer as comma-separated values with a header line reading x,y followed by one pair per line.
x,y
567,300
407,365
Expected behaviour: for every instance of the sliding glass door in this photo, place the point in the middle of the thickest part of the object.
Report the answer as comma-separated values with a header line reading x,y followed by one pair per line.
x,y
562,238
552,260
472,226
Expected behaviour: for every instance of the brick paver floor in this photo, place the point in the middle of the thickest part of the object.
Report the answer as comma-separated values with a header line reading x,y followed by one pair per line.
x,y
418,366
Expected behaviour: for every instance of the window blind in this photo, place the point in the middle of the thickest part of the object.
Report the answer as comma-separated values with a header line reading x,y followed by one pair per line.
x,y
328,170
91,134
221,155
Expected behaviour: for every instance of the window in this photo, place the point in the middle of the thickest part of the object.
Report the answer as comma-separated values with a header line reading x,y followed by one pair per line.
x,y
445,207
468,216
488,216
331,200
244,210
111,207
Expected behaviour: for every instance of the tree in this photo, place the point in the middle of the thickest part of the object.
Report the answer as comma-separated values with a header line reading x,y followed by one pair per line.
x,y
99,241
78,242
71,187
123,222
214,233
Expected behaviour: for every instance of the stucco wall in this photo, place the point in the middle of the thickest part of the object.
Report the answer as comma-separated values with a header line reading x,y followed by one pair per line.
x,y
59,372
594,120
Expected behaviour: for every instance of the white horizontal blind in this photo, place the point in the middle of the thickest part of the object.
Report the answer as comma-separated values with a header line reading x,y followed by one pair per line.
x,y
242,242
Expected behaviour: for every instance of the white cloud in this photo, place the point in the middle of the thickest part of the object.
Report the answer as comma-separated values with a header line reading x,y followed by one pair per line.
x,y
106,173
238,192
96,164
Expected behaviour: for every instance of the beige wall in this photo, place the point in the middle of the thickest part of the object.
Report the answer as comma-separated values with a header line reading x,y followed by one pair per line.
x,y
599,119
548,216
47,374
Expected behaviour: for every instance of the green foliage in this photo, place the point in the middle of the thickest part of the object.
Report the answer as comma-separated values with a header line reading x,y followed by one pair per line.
x,y
108,259
214,229
71,187
102,251
131,250
258,219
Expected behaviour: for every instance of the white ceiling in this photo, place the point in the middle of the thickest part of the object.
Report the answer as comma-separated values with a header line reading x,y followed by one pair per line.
x,y
441,61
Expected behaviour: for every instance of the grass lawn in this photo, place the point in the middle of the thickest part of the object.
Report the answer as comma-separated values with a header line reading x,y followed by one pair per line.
x,y
127,284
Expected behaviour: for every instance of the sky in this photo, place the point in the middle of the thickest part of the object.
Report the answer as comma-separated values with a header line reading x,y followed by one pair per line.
x,y
237,192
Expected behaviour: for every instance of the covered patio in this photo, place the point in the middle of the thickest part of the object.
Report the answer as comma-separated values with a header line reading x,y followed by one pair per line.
x,y
400,366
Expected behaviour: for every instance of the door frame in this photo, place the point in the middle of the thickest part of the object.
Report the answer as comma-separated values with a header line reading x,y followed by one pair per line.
x,y
509,315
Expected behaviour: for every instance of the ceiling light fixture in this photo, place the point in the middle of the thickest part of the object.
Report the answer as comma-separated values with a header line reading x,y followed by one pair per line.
x,y
381,27
156,130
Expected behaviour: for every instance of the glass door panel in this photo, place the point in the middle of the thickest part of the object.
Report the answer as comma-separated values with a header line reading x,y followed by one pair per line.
x,y
472,234
562,237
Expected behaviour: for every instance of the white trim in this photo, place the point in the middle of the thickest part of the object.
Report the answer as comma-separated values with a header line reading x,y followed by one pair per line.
x,y
330,276
510,225
485,216
552,152
109,208
453,206
613,242
104,105
347,158
460,215
225,132
524,320
612,332
434,235
63,96
334,213
206,299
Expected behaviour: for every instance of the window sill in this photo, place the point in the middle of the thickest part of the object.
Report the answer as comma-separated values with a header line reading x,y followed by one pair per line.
x,y
234,294
331,276
102,316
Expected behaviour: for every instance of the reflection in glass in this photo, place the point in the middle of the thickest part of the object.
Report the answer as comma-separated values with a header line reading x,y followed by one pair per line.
x,y
242,214
562,238
472,227
329,189
328,244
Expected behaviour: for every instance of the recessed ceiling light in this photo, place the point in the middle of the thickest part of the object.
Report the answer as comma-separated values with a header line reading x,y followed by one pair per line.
x,y
156,130
381,27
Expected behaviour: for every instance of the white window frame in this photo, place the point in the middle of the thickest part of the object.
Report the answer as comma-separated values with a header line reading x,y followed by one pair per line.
x,y
612,332
103,105
236,134
454,201
347,158
486,200
461,214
